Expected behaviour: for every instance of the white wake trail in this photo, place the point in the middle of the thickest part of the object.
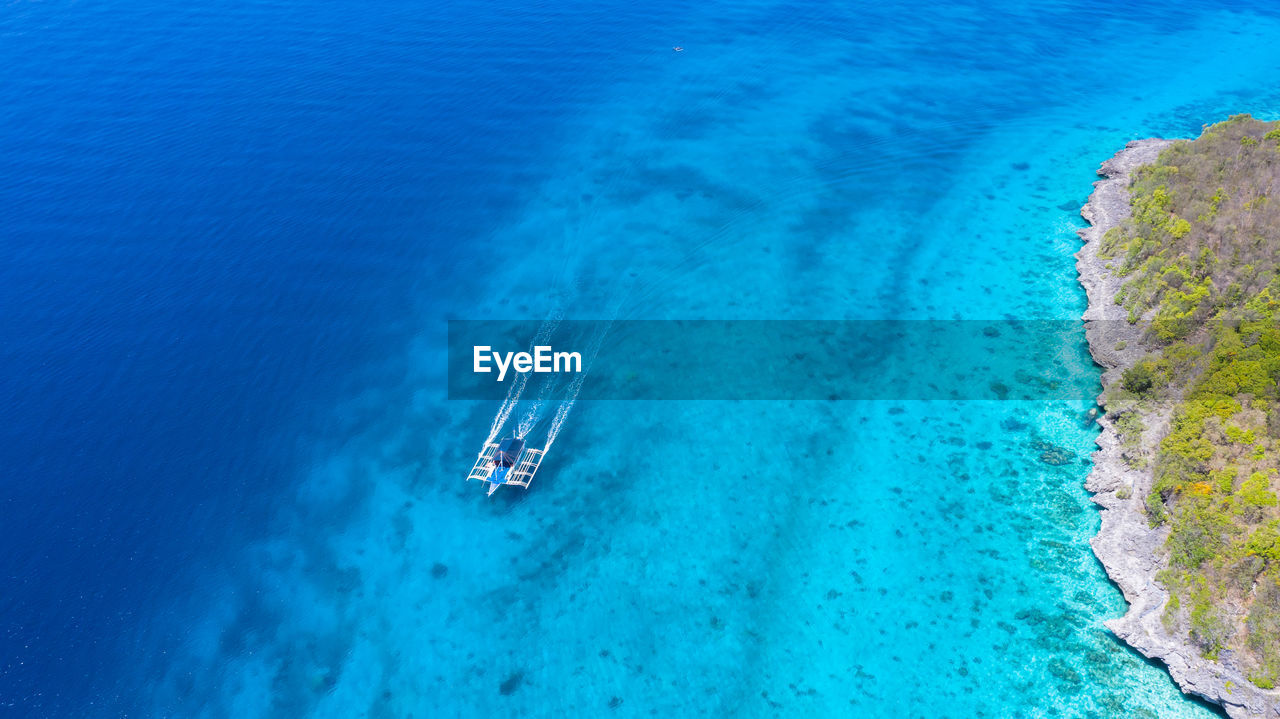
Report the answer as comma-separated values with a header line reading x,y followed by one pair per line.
x,y
508,404
543,336
571,394
530,419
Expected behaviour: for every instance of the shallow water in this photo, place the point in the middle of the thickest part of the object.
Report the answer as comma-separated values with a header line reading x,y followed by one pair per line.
x,y
234,485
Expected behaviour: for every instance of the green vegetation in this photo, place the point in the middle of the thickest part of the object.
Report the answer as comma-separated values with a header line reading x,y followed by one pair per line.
x,y
1139,379
1201,255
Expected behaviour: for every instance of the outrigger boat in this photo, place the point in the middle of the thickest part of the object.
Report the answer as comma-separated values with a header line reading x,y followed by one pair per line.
x,y
506,462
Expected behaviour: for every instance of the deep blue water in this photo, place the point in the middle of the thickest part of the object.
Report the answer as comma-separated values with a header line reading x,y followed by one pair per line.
x,y
232,233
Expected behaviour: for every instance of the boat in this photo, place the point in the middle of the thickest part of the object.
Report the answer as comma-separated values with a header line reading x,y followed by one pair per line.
x,y
506,462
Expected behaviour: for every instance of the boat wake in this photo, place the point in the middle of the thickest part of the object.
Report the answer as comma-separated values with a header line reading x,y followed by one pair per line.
x,y
508,406
533,412
525,416
575,387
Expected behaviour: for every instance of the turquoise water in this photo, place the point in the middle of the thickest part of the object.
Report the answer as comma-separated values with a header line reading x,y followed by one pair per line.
x,y
781,168
790,163
795,161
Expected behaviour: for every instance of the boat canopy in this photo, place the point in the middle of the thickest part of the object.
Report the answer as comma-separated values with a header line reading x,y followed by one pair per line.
x,y
508,451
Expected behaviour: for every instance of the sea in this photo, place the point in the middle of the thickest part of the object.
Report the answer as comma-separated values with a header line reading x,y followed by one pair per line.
x,y
232,478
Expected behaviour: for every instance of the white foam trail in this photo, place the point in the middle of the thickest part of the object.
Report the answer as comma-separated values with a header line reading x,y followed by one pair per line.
x,y
530,419
534,414
543,337
508,404
562,413
571,394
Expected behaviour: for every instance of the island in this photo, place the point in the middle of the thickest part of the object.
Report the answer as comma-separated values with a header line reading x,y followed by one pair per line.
x,y
1181,264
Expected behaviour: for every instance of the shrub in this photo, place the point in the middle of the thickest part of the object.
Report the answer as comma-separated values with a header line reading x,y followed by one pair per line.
x,y
1139,379
1209,629
1265,542
1254,496
1197,535
1156,512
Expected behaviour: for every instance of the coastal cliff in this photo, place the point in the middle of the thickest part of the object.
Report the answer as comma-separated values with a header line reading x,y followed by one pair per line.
x,y
1129,547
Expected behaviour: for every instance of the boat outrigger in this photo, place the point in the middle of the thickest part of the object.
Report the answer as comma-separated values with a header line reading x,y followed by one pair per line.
x,y
506,462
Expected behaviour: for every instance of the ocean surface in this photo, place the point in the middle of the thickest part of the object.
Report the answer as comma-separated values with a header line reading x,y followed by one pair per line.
x,y
231,483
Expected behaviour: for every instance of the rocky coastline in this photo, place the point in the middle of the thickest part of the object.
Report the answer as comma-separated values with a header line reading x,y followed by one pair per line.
x,y
1128,547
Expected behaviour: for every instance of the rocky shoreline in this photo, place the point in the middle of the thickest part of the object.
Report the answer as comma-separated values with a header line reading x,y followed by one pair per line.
x,y
1130,550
